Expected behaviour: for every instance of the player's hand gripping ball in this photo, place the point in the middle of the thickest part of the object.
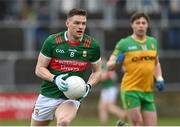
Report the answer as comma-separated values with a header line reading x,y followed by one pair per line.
x,y
76,87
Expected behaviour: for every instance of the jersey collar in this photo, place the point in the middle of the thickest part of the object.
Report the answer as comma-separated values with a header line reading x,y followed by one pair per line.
x,y
70,42
140,41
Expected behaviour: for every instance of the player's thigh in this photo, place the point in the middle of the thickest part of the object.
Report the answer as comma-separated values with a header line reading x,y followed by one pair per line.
x,y
68,108
108,94
149,109
150,118
148,103
134,114
130,99
44,109
132,103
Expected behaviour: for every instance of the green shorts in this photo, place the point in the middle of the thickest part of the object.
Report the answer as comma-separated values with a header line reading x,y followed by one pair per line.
x,y
144,100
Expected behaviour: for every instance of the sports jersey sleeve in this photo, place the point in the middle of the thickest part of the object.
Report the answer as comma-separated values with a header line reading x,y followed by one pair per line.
x,y
156,45
96,53
46,48
119,48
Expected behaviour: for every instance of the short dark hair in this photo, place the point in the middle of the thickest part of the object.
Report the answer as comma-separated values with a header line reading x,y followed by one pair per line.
x,y
76,11
138,15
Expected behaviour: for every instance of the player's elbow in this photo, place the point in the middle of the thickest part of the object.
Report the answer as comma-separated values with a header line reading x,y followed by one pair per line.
x,y
37,73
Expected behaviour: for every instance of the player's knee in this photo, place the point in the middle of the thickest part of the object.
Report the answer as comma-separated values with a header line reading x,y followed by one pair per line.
x,y
64,121
137,122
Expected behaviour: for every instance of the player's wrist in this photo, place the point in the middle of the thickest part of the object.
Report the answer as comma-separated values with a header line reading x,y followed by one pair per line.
x,y
53,79
90,86
160,78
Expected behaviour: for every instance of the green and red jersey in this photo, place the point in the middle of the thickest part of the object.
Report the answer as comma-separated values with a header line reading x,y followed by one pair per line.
x,y
109,82
139,63
67,57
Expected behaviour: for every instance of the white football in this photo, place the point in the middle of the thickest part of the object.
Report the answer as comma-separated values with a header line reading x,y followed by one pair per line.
x,y
76,87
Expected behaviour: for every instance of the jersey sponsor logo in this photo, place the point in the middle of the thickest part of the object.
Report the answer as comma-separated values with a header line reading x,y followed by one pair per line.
x,y
136,59
132,47
60,51
72,50
152,46
68,65
128,102
144,47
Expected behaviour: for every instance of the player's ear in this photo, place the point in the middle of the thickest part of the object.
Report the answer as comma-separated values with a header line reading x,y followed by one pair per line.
x,y
67,22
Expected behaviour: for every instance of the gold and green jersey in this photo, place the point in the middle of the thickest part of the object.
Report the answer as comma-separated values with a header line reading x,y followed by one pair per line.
x,y
139,63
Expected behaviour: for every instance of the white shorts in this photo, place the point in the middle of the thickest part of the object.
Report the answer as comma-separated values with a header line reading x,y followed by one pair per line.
x,y
45,107
108,94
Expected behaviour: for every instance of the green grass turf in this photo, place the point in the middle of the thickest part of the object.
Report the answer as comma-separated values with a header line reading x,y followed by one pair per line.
x,y
89,122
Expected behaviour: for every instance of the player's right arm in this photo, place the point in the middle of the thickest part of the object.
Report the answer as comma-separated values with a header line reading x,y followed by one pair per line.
x,y
43,63
44,59
111,64
41,68
42,72
116,57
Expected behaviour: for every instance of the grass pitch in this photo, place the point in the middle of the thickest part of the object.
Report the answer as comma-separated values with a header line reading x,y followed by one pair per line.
x,y
89,122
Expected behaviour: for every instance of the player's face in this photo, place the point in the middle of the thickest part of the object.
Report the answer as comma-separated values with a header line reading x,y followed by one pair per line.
x,y
140,26
76,26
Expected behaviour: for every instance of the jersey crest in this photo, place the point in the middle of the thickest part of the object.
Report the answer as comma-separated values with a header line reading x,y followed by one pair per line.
x,y
87,42
58,39
84,53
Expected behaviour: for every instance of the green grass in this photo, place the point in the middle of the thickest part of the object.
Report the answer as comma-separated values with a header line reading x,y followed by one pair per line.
x,y
89,122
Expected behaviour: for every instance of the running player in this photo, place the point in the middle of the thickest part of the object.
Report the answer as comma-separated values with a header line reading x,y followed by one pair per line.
x,y
108,96
138,54
65,54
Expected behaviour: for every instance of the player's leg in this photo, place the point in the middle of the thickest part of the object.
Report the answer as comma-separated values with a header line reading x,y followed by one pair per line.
x,y
43,111
112,107
39,123
132,103
102,106
149,110
149,118
66,112
117,111
135,117
103,112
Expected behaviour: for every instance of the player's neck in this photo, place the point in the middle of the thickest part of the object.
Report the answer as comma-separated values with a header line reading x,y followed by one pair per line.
x,y
138,37
71,38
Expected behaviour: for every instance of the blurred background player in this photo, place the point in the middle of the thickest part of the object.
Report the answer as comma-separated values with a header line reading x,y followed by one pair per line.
x,y
138,54
65,54
107,102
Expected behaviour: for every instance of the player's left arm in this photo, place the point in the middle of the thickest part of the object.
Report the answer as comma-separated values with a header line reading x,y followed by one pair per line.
x,y
158,75
158,71
94,78
96,73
